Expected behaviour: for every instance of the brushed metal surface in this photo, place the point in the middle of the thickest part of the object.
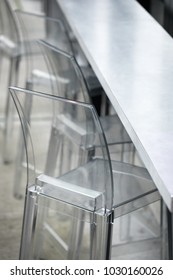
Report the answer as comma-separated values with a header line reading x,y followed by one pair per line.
x,y
133,58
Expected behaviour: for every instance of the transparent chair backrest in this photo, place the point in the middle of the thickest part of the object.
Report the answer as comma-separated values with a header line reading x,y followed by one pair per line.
x,y
45,28
67,76
42,135
9,27
50,30
54,11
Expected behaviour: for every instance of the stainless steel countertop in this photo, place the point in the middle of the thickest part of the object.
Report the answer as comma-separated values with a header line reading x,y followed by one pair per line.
x,y
133,58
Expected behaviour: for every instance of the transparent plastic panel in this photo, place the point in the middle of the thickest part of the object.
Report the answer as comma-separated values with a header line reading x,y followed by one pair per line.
x,y
9,37
69,81
138,235
54,229
61,231
55,33
53,10
65,72
48,29
65,190
52,150
34,27
28,32
132,186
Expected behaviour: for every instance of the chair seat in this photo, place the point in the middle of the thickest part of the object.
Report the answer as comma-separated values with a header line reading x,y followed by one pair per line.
x,y
130,182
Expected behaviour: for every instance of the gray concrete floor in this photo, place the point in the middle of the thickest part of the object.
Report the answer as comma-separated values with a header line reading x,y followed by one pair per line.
x,y
11,211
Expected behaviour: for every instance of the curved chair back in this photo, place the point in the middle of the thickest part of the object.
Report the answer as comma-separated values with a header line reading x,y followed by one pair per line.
x,y
61,112
65,73
10,34
81,194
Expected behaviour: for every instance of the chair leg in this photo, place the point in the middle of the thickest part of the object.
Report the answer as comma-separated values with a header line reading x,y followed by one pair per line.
x,y
170,234
101,236
29,220
1,83
76,237
9,111
125,224
1,58
18,192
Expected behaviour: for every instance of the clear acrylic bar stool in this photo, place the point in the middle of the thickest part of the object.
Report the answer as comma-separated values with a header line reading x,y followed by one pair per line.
x,y
60,37
99,98
19,32
67,80
14,47
70,210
